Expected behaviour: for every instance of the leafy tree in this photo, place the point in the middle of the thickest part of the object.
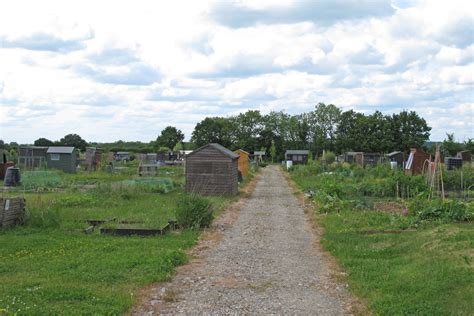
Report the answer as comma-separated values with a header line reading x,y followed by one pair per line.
x,y
247,127
450,147
324,121
169,137
273,151
409,130
43,142
73,140
212,130
2,144
469,145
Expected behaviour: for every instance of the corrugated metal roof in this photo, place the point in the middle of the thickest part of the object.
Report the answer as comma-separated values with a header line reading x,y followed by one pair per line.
x,y
297,152
60,150
393,153
221,148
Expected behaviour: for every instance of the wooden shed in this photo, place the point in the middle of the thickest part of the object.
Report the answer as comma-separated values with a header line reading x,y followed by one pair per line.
x,y
243,162
356,157
31,157
212,170
396,156
465,155
297,156
62,158
416,161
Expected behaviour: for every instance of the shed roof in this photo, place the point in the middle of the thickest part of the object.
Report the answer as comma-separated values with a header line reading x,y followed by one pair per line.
x,y
393,153
259,152
220,148
123,153
241,150
297,152
60,150
33,147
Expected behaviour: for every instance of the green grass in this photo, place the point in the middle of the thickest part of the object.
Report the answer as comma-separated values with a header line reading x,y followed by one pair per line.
x,y
50,266
429,271
51,272
420,264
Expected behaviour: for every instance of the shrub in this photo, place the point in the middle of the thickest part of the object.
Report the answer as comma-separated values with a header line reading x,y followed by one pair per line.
x,y
194,211
449,210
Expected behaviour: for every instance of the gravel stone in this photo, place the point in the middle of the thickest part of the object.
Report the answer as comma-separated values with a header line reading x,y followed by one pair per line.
x,y
266,263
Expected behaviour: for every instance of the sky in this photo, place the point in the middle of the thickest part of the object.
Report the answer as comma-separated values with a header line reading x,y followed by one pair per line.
x,y
124,70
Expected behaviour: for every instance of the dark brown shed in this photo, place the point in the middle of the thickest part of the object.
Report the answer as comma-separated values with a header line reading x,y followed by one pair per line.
x,y
212,170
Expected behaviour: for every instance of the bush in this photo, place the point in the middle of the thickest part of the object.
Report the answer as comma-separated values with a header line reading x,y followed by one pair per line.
x,y
449,210
194,211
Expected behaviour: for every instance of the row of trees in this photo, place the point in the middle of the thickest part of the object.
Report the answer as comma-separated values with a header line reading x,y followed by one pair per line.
x,y
325,128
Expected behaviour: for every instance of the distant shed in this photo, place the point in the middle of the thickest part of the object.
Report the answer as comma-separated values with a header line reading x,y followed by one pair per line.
x,y
297,156
62,158
396,156
30,157
243,162
212,170
465,155
356,157
259,155
416,161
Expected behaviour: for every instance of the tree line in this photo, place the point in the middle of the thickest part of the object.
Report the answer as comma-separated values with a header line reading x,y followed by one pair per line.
x,y
327,127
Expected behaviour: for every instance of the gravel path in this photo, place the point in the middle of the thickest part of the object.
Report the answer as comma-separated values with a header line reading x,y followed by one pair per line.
x,y
266,263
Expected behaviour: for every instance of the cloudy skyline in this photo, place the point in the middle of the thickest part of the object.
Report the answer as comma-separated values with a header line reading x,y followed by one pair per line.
x,y
110,70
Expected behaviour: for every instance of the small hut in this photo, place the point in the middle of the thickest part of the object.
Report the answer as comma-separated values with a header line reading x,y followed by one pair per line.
x,y
371,159
62,158
297,156
259,155
243,162
212,170
93,158
416,161
31,157
122,156
356,157
395,156
465,155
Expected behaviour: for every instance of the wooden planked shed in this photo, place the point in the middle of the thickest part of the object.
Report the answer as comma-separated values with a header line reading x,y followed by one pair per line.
x,y
63,158
243,162
212,170
416,161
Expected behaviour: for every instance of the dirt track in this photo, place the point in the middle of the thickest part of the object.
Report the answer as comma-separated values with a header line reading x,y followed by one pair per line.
x,y
265,263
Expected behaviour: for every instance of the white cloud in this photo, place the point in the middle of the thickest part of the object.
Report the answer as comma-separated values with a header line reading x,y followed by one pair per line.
x,y
114,70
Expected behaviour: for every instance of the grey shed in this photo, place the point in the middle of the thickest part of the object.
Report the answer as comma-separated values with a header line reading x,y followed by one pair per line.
x,y
297,156
62,158
212,170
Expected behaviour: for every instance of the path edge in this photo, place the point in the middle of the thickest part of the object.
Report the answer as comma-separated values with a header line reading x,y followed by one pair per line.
x,y
357,305
208,240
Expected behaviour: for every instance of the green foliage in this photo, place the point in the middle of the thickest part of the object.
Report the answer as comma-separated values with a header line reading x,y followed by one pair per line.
x,y
194,211
41,179
449,147
424,272
449,210
401,263
73,140
325,128
43,142
328,157
156,185
169,137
